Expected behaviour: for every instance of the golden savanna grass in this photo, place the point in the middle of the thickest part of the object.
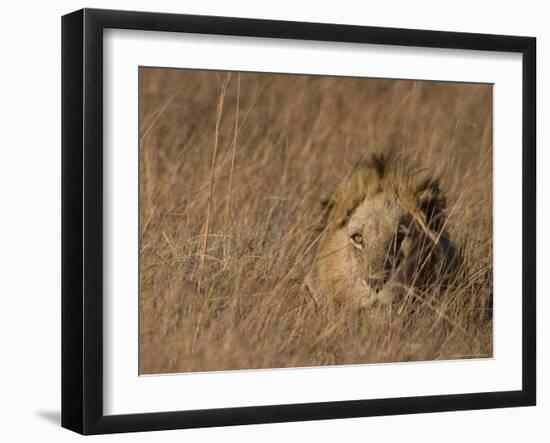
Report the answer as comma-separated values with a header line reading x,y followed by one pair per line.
x,y
232,169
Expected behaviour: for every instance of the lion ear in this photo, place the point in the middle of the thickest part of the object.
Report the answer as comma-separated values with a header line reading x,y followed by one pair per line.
x,y
433,205
326,205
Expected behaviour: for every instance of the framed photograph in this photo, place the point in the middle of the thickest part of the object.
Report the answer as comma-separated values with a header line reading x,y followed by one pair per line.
x,y
269,221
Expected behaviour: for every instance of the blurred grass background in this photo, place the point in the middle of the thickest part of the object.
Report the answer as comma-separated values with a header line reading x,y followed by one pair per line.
x,y
232,168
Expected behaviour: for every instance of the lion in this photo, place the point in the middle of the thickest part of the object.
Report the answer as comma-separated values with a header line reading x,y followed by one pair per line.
x,y
384,235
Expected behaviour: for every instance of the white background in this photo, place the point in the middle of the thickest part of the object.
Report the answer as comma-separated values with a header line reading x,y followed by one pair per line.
x,y
30,220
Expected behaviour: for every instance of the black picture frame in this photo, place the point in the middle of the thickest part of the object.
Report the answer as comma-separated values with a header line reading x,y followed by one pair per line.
x,y
82,219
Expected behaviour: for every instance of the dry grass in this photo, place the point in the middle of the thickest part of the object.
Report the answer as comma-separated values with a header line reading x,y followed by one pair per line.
x,y
232,167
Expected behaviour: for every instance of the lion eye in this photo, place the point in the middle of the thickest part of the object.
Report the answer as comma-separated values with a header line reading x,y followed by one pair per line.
x,y
357,240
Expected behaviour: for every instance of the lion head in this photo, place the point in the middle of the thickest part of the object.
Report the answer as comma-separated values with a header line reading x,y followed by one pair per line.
x,y
384,233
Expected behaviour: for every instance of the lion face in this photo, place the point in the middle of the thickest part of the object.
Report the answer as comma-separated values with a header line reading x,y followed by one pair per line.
x,y
372,231
364,256
383,241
